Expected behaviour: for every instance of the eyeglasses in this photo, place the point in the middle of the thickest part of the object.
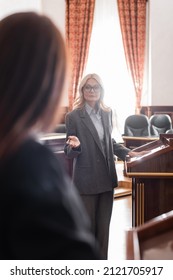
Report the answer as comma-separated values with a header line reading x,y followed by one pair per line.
x,y
88,88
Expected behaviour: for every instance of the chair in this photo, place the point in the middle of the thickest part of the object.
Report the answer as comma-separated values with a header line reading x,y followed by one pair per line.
x,y
137,125
169,131
152,240
160,123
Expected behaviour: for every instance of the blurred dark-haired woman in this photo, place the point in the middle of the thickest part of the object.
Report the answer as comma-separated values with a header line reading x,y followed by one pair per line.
x,y
41,215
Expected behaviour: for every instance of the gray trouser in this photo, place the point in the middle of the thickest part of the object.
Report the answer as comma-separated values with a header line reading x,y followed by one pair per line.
x,y
99,208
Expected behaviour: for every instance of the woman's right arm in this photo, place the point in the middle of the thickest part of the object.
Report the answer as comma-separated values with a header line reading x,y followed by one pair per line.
x,y
72,147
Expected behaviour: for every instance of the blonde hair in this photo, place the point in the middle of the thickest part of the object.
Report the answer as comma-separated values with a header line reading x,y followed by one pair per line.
x,y
80,101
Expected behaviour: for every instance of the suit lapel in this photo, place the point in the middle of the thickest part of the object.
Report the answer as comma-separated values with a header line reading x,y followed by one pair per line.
x,y
90,126
106,124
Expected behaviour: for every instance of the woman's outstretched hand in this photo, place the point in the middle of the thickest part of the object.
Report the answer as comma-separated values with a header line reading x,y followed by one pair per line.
x,y
73,142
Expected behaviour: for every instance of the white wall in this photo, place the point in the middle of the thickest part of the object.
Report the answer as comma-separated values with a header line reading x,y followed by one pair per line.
x,y
55,9
161,52
8,7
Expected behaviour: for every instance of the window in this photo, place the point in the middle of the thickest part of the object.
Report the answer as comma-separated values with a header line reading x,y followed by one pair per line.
x,y
106,58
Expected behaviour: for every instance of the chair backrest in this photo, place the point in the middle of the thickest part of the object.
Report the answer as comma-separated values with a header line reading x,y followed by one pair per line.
x,y
152,240
160,123
169,131
137,125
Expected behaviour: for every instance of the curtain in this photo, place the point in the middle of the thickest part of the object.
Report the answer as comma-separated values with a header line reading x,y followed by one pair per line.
x,y
79,20
132,14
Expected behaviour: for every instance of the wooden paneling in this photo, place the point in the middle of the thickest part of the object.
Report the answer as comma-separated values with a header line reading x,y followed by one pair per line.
x,y
151,110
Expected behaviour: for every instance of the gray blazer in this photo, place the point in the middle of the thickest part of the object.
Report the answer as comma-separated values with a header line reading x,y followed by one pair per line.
x,y
93,172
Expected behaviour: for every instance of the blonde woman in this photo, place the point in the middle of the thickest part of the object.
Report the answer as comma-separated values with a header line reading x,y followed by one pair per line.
x,y
89,143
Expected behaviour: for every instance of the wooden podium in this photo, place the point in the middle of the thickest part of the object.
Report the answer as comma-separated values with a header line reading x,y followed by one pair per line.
x,y
152,180
133,142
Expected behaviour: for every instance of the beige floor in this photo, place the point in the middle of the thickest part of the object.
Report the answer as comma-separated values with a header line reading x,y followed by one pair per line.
x,y
121,220
124,183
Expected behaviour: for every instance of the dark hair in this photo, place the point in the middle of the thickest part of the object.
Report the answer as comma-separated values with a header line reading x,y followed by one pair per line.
x,y
32,75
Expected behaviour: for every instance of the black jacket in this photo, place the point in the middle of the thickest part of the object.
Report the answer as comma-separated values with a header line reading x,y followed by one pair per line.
x,y
41,215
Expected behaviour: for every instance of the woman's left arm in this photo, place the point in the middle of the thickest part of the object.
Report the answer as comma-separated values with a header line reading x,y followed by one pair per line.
x,y
121,152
